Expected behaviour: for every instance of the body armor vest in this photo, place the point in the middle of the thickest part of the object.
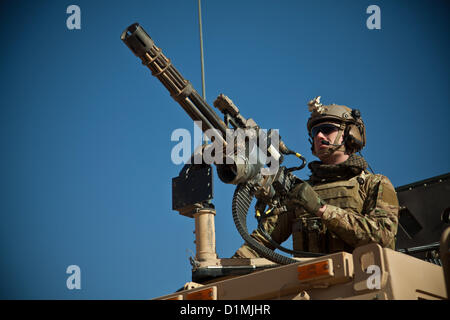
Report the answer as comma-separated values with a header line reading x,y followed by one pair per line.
x,y
308,231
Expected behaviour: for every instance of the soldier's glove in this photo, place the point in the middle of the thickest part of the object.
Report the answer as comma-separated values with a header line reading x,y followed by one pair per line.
x,y
304,195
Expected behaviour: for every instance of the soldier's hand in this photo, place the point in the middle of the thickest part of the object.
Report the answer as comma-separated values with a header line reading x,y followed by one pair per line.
x,y
304,195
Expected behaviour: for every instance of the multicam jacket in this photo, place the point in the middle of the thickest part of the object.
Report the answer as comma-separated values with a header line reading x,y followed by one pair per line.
x,y
361,208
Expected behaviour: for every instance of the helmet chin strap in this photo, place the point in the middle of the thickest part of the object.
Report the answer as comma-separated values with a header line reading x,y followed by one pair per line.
x,y
339,135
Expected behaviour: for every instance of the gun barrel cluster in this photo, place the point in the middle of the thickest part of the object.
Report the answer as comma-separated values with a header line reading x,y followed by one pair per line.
x,y
180,89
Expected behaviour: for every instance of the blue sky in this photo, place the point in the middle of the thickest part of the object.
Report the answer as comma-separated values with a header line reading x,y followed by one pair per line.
x,y
85,129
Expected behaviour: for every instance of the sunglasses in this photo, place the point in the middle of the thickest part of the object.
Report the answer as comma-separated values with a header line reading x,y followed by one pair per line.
x,y
324,128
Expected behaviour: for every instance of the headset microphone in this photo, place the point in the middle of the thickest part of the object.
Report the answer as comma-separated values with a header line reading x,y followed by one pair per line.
x,y
327,143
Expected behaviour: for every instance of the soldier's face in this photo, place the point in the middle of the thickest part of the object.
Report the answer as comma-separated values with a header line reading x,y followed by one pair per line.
x,y
325,133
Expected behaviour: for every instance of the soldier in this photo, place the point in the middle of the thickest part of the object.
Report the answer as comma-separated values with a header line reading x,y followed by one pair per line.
x,y
342,205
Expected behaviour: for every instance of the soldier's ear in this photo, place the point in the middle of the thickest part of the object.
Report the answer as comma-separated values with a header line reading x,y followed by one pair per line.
x,y
341,139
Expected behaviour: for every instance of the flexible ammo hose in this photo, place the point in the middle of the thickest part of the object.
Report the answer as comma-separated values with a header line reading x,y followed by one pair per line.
x,y
242,200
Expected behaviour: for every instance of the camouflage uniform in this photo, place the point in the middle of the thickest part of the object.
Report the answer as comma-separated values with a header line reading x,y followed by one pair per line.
x,y
361,208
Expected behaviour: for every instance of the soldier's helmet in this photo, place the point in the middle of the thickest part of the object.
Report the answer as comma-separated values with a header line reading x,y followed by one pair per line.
x,y
348,119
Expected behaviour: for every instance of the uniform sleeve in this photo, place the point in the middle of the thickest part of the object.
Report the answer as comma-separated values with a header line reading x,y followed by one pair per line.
x,y
278,227
377,223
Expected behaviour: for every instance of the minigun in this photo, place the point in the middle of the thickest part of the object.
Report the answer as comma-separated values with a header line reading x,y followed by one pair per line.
x,y
244,168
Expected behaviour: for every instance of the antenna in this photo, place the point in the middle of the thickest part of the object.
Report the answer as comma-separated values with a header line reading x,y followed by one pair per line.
x,y
201,48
